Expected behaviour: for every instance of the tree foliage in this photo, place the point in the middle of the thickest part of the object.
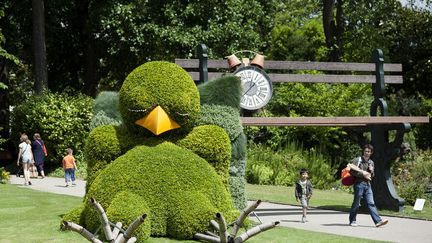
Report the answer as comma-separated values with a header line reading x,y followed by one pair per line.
x,y
94,44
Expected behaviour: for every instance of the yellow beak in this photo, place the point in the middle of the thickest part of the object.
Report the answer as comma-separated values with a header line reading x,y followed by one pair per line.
x,y
157,121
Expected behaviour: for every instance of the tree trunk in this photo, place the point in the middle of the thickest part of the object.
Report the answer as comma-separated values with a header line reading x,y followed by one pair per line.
x,y
39,48
333,28
89,58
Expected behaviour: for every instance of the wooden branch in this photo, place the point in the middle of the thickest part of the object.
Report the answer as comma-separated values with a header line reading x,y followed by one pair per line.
x,y
207,238
81,230
254,231
135,224
116,229
132,240
104,220
223,235
113,235
239,222
211,233
214,224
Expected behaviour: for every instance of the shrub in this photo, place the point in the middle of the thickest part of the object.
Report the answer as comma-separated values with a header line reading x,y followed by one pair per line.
x,y
156,174
192,213
225,91
108,102
412,175
4,176
224,116
62,120
159,83
281,167
211,143
296,99
101,148
75,216
125,208
101,118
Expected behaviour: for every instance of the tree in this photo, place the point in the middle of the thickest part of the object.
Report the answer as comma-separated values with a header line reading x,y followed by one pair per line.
x,y
94,44
5,59
39,50
333,23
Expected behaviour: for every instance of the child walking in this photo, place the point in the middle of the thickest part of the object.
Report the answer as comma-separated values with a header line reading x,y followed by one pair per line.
x,y
69,167
303,192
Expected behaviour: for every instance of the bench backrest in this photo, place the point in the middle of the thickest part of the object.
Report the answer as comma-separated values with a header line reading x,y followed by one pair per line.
x,y
282,71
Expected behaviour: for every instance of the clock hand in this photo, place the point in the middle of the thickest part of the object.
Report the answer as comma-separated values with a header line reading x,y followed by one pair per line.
x,y
253,84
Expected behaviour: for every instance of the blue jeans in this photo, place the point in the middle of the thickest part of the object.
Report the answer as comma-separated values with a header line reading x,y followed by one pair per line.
x,y
69,174
364,190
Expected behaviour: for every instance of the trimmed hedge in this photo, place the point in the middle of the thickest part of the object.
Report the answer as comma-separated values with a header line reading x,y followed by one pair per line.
x,y
75,216
224,91
224,116
211,143
159,83
101,148
125,208
156,174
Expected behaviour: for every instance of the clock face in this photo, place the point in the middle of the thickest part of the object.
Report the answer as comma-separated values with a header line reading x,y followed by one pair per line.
x,y
257,87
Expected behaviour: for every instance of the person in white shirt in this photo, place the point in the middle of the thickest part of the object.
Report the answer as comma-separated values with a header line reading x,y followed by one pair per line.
x,y
25,157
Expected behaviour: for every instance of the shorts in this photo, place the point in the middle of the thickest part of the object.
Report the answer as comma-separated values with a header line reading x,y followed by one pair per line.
x,y
26,160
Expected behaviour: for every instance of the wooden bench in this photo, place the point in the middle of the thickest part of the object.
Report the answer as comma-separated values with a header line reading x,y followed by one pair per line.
x,y
379,123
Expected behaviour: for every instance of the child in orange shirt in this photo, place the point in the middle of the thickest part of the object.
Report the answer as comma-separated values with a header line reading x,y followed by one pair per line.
x,y
69,167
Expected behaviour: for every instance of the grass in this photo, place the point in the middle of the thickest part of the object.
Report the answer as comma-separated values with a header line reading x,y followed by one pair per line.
x,y
329,199
28,215
33,216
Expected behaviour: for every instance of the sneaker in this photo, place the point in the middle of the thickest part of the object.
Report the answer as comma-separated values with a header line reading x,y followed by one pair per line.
x,y
381,223
67,185
303,220
73,184
353,224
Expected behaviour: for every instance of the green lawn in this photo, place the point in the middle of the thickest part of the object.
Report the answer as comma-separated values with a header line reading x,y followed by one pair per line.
x,y
329,199
28,215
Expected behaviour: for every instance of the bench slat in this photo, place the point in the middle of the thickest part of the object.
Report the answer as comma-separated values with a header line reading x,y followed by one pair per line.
x,y
298,65
331,121
314,78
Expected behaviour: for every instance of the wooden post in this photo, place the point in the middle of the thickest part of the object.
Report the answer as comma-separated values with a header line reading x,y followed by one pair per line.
x,y
203,56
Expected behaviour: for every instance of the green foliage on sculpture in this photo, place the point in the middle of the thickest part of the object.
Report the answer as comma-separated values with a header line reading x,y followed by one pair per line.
x,y
237,189
159,83
224,116
192,209
220,104
126,207
237,171
211,143
101,148
75,216
228,92
162,175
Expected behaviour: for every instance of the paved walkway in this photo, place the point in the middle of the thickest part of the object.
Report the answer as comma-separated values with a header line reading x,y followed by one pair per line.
x,y
326,221
52,184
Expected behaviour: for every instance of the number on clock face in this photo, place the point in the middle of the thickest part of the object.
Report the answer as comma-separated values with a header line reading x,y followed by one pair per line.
x,y
257,89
